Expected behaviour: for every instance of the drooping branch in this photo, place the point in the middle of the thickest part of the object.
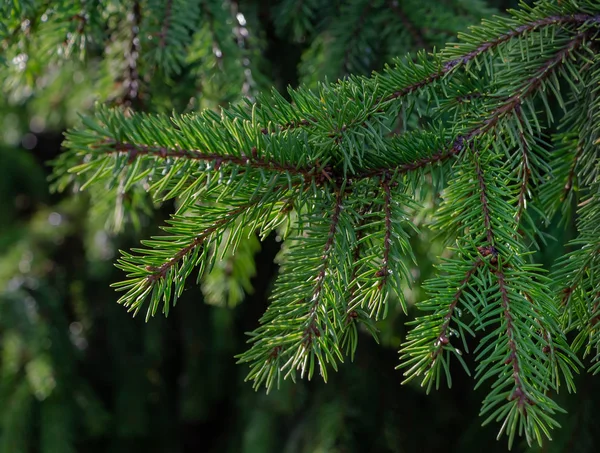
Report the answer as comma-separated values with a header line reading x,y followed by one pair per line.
x,y
358,248
519,393
159,272
312,328
442,337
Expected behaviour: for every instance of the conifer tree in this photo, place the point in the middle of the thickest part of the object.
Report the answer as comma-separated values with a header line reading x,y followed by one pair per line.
x,y
491,138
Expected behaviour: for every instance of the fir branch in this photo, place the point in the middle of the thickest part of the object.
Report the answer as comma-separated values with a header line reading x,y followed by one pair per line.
x,y
420,162
576,278
512,104
156,279
443,68
324,164
422,354
159,271
513,360
519,392
357,251
305,321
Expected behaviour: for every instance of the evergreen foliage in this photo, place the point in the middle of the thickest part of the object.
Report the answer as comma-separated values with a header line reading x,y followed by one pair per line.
x,y
489,138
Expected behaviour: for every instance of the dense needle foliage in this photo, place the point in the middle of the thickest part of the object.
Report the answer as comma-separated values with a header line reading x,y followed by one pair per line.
x,y
490,138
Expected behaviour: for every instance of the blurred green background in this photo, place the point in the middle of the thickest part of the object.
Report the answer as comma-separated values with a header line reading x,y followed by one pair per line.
x,y
77,372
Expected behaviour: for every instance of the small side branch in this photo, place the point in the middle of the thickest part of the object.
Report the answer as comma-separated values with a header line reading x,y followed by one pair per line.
x,y
525,171
513,103
384,272
312,328
252,161
442,338
159,272
483,198
513,358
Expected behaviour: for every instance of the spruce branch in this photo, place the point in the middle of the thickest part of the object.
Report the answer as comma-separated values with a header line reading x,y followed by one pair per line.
x,y
427,72
505,300
383,252
324,165
253,161
441,338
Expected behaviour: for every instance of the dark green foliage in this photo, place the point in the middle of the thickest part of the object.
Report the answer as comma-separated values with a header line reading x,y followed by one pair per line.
x,y
484,143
